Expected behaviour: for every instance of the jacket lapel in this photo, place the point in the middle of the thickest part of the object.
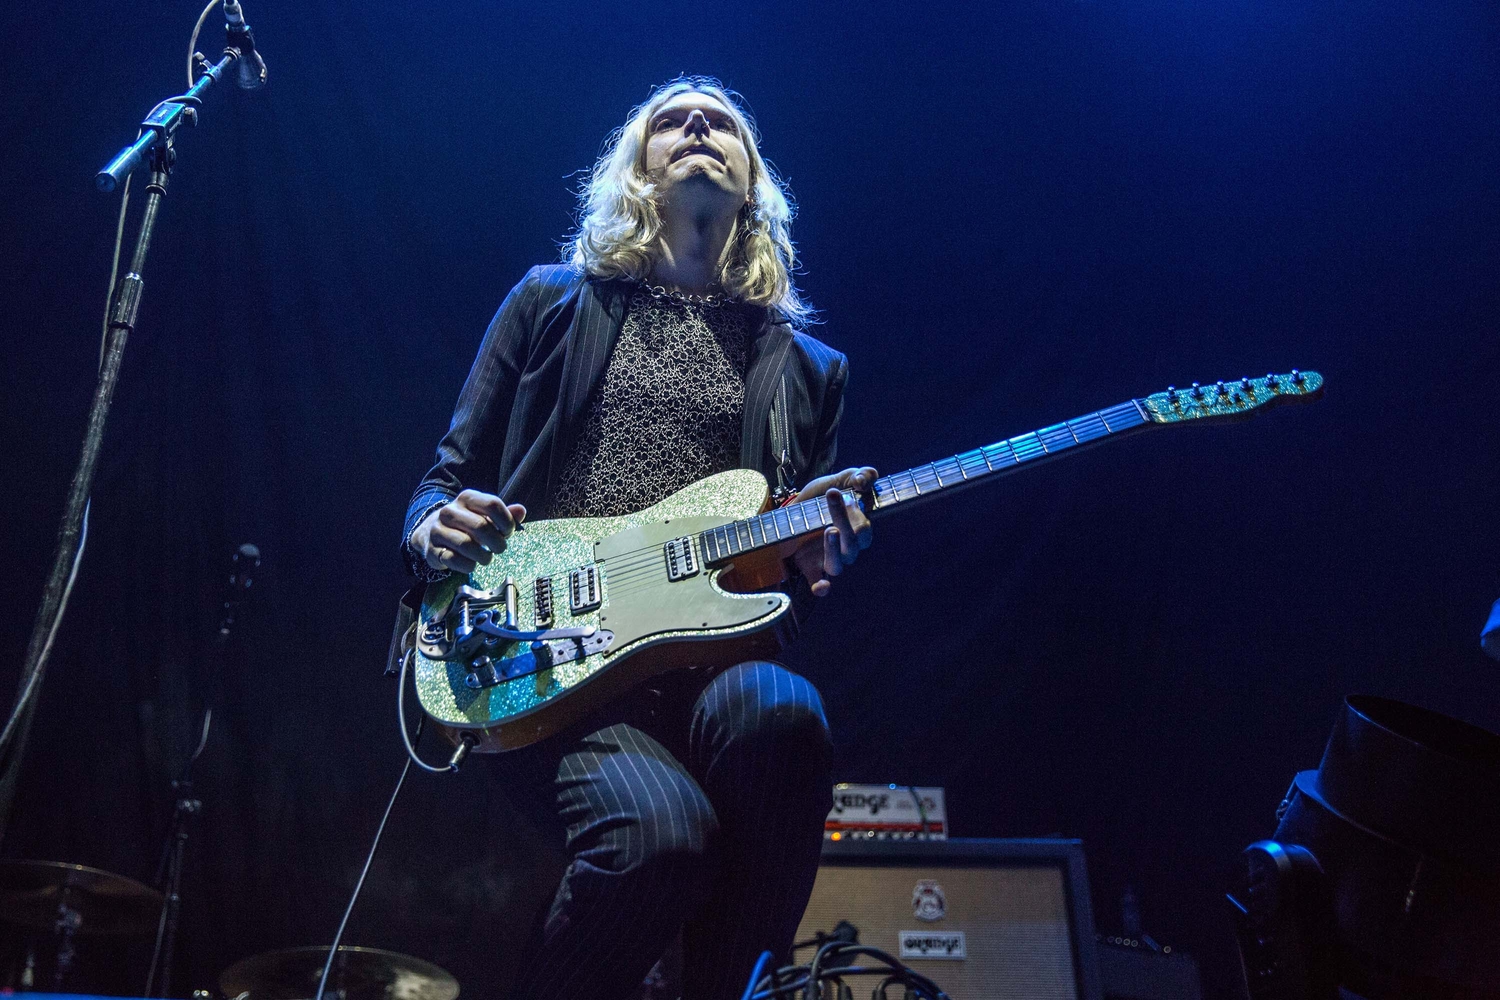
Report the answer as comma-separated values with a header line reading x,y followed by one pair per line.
x,y
596,326
768,356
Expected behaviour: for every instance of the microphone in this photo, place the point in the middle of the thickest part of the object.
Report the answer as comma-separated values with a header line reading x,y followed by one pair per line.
x,y
242,566
249,68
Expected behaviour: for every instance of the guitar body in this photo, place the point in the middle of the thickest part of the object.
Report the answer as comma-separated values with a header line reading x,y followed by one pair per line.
x,y
645,621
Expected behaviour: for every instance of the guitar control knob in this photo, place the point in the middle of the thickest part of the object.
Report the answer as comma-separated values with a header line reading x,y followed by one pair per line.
x,y
543,653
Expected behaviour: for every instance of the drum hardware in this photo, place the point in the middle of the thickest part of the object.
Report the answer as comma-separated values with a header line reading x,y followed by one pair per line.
x,y
72,901
358,974
243,564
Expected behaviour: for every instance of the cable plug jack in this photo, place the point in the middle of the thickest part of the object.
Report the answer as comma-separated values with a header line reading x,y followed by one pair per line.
x,y
466,742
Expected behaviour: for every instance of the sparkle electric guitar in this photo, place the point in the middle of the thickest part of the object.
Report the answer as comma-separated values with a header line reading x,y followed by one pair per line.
x,y
574,612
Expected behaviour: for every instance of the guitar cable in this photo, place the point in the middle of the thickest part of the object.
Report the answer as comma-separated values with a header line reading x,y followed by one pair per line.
x,y
466,743
369,858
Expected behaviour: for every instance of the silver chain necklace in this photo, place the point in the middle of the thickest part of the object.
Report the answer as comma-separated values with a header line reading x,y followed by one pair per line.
x,y
661,293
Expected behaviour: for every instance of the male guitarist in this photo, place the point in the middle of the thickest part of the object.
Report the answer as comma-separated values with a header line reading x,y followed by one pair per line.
x,y
666,350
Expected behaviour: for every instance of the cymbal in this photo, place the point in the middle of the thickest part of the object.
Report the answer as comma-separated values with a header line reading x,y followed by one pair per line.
x,y
359,973
31,893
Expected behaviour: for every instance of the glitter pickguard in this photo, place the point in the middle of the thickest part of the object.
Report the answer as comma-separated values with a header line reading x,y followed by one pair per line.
x,y
640,606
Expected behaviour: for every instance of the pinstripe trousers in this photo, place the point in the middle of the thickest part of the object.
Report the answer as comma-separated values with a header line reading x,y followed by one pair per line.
x,y
701,810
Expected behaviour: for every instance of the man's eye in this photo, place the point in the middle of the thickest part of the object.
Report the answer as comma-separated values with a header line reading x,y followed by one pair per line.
x,y
664,123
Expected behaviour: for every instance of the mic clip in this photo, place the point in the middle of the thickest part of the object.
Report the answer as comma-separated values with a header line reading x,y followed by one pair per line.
x,y
240,41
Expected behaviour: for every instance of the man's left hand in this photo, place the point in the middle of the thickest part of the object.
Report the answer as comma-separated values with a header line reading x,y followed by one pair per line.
x,y
824,556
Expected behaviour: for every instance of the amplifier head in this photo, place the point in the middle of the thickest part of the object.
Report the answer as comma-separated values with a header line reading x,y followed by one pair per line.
x,y
984,919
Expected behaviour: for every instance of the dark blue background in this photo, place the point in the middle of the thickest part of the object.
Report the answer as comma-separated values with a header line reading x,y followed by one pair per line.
x,y
1011,215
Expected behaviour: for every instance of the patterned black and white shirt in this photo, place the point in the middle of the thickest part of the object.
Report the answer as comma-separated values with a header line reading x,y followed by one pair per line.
x,y
666,412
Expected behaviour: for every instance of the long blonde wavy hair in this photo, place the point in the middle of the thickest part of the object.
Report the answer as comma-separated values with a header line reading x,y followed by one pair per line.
x,y
619,221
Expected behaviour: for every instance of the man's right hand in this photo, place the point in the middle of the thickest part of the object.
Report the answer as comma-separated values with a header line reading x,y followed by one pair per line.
x,y
466,531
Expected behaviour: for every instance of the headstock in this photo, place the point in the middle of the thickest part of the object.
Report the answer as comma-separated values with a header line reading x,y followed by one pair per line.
x,y
1228,400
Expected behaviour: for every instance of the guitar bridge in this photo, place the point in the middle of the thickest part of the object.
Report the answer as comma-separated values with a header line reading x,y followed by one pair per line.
x,y
481,620
682,562
542,601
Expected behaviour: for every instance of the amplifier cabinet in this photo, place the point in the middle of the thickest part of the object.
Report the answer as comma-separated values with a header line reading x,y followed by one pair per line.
x,y
984,919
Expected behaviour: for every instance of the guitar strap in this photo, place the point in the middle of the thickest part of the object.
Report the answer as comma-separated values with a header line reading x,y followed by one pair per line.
x,y
404,631
781,434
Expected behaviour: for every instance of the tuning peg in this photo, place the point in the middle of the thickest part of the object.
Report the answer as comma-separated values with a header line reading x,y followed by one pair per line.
x,y
1245,384
1297,378
1271,379
1197,391
1222,391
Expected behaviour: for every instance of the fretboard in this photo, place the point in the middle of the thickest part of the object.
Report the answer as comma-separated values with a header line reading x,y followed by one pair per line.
x,y
925,481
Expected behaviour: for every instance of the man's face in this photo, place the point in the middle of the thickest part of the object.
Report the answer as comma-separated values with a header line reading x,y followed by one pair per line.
x,y
694,148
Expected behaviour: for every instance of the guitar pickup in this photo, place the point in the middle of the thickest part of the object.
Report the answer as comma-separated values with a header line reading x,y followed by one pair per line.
x,y
542,601
583,589
681,560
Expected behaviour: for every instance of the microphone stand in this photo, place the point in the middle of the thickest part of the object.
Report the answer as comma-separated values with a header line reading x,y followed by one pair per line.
x,y
177,838
245,561
155,148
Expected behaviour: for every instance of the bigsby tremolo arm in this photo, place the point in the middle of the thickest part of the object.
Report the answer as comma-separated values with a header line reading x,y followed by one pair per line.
x,y
483,622
484,619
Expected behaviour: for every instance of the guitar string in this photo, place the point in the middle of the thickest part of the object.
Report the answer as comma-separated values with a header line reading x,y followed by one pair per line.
x,y
650,559
625,576
819,504
628,578
643,562
645,557
634,565
626,573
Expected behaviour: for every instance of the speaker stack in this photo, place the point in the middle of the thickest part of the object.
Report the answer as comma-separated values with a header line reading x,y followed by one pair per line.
x,y
984,919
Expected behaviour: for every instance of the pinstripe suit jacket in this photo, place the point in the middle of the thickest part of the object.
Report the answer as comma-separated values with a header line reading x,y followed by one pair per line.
x,y
526,399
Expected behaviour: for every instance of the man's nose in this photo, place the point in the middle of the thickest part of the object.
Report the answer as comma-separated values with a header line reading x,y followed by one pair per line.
x,y
697,123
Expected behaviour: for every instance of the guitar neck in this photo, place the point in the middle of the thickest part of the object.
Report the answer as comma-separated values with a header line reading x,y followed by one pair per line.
x,y
926,481
995,460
